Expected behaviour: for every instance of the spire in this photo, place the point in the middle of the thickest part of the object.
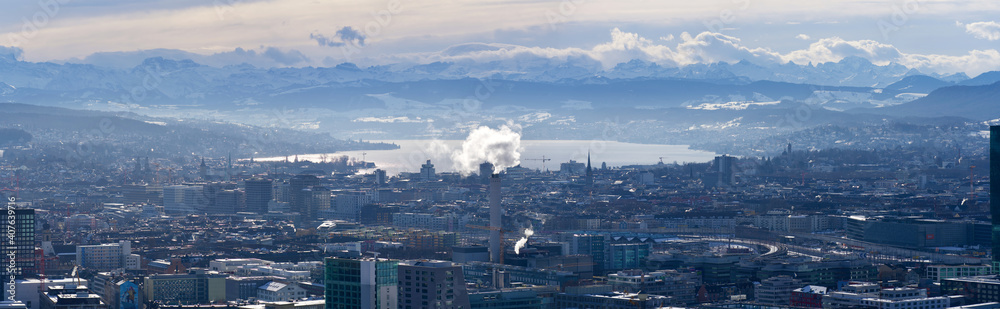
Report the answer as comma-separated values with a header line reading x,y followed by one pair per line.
x,y
590,172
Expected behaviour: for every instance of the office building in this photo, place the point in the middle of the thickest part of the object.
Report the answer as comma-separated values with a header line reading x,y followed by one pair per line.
x,y
506,299
70,296
427,172
776,290
258,194
432,284
280,291
361,283
198,286
105,257
810,296
941,272
995,191
22,246
982,289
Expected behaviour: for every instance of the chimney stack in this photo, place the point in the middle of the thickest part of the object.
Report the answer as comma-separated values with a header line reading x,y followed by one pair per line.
x,y
495,218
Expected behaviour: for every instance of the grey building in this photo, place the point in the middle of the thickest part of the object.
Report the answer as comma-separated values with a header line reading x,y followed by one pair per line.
x,y
432,284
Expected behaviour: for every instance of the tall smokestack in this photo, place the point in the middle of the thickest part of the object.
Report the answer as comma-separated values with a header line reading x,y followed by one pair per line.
x,y
495,217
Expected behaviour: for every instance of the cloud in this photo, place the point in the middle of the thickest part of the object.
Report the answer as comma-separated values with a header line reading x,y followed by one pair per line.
x,y
802,37
340,38
834,49
988,30
706,48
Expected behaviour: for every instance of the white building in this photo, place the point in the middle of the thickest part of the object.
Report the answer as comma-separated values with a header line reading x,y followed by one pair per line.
x,y
231,265
869,295
184,199
277,291
107,256
26,291
940,272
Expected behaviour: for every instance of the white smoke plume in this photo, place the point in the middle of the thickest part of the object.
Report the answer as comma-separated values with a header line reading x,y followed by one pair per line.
x,y
501,147
523,241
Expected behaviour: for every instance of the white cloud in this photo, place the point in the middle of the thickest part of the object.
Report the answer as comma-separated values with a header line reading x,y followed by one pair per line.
x,y
989,30
708,47
802,37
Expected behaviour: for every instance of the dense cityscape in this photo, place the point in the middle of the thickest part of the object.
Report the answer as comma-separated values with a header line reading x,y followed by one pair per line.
x,y
831,229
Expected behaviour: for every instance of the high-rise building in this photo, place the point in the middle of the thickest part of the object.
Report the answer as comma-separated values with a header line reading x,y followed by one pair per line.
x,y
432,284
258,194
22,246
297,191
485,171
427,172
361,283
724,167
995,191
380,177
317,199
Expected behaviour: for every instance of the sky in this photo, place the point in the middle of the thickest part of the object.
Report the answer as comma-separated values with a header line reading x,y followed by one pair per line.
x,y
939,36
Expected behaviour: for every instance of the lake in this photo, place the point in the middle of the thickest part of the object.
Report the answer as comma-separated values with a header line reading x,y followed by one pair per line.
x,y
413,153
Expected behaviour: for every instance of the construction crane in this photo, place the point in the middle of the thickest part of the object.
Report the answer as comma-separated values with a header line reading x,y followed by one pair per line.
x,y
543,159
490,228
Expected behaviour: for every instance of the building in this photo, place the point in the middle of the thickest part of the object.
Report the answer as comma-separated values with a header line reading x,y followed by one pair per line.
x,y
678,286
246,288
995,191
982,289
905,298
870,295
259,192
484,272
184,199
22,246
590,244
506,299
297,193
105,257
940,272
810,296
432,284
427,172
70,296
469,254
278,291
627,255
361,283
613,300
198,286
776,290
26,291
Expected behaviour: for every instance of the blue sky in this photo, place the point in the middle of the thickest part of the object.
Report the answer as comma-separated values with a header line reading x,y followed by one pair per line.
x,y
931,35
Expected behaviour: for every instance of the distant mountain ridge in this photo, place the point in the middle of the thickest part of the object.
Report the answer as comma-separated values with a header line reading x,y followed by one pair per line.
x,y
981,102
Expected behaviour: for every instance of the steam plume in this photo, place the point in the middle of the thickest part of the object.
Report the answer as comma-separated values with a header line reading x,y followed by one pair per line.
x,y
523,241
501,147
